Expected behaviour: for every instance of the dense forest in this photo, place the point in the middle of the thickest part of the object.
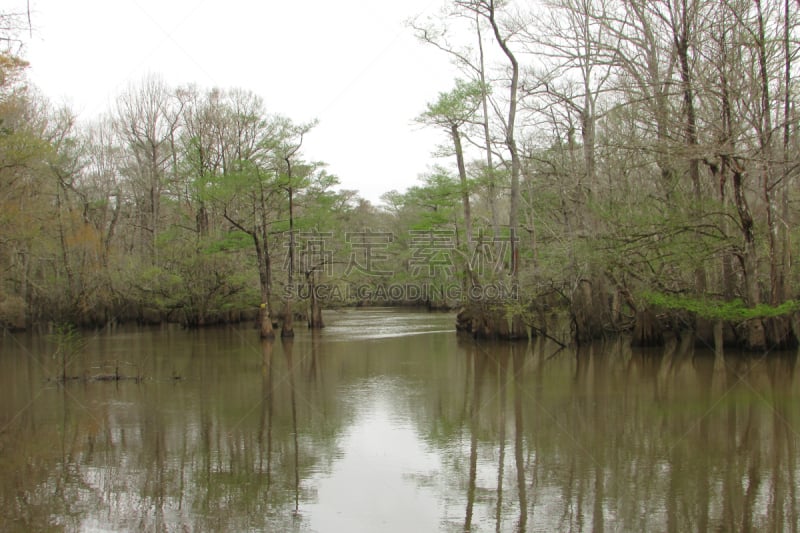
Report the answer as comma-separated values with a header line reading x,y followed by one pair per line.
x,y
617,165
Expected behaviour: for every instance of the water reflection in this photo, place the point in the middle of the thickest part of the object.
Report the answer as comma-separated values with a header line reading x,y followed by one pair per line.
x,y
362,427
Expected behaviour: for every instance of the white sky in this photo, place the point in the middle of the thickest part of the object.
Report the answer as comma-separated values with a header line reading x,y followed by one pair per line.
x,y
352,64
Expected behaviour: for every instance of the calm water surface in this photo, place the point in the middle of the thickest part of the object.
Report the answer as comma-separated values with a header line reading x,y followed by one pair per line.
x,y
387,421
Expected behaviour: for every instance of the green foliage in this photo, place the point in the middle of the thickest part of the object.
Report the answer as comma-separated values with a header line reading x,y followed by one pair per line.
x,y
69,344
435,201
455,107
67,339
158,286
231,241
199,278
608,193
734,310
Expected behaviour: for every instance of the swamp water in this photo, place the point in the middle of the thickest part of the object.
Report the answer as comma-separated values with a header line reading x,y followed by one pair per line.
x,y
387,421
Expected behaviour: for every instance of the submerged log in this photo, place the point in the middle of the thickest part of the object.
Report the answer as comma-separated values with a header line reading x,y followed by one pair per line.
x,y
103,377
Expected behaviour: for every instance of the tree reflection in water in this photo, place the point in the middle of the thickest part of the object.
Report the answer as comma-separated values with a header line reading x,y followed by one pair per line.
x,y
288,435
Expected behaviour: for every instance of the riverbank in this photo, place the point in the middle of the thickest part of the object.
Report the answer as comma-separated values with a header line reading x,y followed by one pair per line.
x,y
580,319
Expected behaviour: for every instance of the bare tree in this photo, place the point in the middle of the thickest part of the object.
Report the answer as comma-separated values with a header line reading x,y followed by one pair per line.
x,y
147,120
504,30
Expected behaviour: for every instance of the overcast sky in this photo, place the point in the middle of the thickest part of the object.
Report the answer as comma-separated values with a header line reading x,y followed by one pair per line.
x,y
352,64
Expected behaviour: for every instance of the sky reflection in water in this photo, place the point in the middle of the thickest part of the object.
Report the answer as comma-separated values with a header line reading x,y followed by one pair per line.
x,y
387,421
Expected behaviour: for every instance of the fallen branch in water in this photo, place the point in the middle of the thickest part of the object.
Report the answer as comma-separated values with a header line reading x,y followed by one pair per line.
x,y
99,377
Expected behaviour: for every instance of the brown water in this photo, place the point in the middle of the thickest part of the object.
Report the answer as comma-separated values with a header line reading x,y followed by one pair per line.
x,y
386,421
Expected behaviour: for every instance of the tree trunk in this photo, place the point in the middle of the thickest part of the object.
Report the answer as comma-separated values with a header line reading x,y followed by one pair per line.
x,y
755,338
264,276
681,41
765,140
491,193
517,324
315,311
783,229
287,330
647,330
462,176
719,173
